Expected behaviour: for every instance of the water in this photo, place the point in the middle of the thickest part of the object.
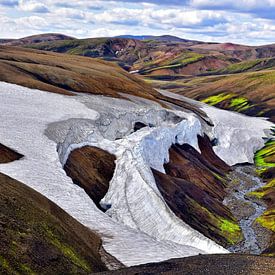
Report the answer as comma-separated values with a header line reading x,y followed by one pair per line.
x,y
245,207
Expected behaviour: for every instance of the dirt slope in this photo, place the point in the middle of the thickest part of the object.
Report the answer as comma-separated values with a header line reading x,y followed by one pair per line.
x,y
62,73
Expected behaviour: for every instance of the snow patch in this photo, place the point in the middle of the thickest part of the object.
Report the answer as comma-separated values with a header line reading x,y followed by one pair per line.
x,y
25,114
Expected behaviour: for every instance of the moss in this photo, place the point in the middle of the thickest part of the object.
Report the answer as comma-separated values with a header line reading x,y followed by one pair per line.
x,y
67,251
239,104
261,192
231,229
267,219
26,269
263,156
6,266
225,228
268,254
215,99
181,61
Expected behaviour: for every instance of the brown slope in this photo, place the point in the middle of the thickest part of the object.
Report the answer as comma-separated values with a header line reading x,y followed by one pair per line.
x,y
39,38
8,155
92,169
255,90
39,237
230,264
194,189
62,73
257,87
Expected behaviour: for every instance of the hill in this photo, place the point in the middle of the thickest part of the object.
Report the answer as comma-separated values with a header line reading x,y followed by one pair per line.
x,y
39,237
160,55
33,39
164,38
66,73
250,93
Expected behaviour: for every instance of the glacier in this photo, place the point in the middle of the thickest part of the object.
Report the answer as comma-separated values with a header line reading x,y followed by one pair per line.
x,y
138,227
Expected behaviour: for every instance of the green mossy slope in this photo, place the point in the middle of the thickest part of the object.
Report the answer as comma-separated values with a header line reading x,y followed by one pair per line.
x,y
37,237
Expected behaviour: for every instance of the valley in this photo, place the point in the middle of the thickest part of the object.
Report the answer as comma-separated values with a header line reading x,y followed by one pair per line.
x,y
174,160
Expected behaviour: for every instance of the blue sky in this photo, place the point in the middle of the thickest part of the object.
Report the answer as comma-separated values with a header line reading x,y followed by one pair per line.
x,y
243,21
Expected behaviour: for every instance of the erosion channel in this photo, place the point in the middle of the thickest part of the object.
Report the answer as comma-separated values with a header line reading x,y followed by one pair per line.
x,y
242,181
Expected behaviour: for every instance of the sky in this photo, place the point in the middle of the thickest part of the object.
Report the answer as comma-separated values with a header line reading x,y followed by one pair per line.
x,y
248,22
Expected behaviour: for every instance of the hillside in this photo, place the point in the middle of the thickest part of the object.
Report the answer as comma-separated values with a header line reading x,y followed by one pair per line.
x,y
39,237
39,38
160,55
251,93
65,74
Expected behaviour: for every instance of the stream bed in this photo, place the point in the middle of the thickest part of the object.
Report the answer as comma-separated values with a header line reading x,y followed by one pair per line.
x,y
243,180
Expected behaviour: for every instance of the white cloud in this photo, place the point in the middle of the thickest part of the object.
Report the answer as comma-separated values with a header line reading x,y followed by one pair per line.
x,y
84,18
32,6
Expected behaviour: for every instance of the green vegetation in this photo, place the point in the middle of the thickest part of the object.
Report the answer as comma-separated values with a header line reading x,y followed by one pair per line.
x,y
261,192
226,230
27,270
265,161
239,104
267,219
265,157
215,99
37,237
240,67
230,100
232,230
178,62
266,77
4,264
86,47
68,251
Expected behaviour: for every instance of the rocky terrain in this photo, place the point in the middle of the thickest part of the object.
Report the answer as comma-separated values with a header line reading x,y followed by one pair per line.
x,y
206,264
120,174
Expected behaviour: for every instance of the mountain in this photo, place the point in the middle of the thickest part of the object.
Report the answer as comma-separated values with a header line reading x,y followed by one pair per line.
x,y
164,38
166,55
39,38
4,41
37,236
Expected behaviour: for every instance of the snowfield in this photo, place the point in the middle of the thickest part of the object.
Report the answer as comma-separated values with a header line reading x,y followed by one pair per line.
x,y
139,227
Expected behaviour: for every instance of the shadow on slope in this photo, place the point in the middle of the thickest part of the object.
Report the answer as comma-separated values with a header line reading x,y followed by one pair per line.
x,y
39,237
229,264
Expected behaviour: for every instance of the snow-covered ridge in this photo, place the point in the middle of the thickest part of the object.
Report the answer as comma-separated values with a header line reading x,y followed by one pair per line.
x,y
239,136
139,227
133,195
25,115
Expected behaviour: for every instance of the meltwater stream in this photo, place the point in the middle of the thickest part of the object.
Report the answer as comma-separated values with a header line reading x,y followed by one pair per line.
x,y
243,181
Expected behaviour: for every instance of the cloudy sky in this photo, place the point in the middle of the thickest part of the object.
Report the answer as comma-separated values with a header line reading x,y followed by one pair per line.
x,y
239,21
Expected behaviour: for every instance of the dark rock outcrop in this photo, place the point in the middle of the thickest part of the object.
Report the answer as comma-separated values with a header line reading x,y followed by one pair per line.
x,y
194,188
8,155
92,169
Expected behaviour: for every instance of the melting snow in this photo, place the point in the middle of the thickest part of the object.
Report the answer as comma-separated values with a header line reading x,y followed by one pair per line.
x,y
139,227
25,114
